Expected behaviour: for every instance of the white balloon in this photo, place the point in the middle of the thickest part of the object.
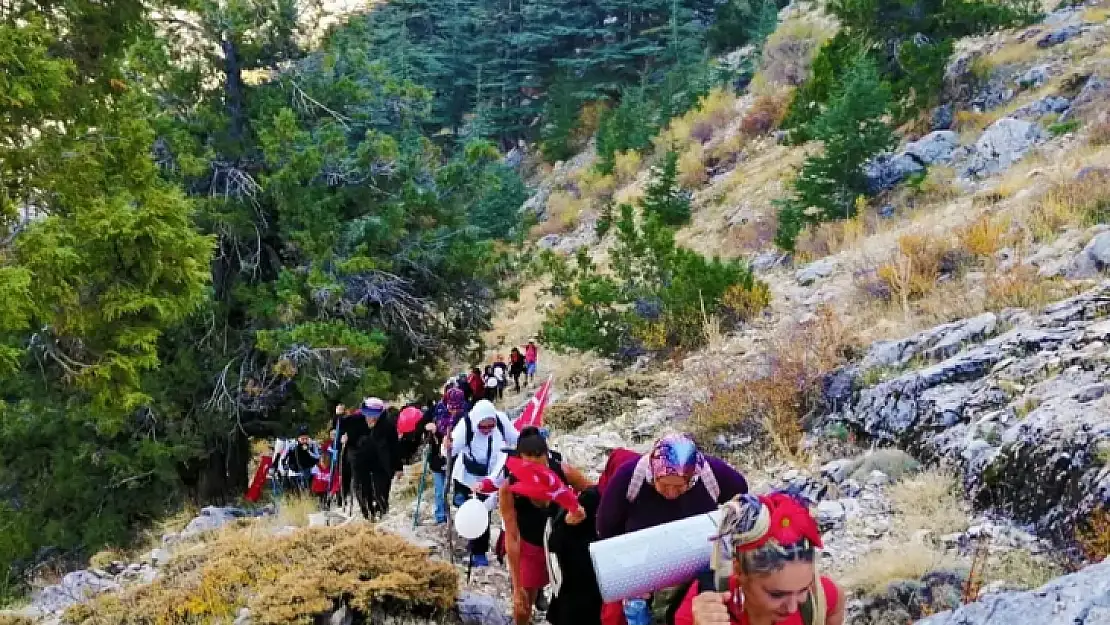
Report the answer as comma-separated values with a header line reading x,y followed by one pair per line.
x,y
472,519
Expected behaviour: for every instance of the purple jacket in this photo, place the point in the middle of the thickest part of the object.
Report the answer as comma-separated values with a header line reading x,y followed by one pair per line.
x,y
616,515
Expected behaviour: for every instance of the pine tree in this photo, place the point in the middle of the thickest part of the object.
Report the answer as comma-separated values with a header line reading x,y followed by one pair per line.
x,y
664,197
853,130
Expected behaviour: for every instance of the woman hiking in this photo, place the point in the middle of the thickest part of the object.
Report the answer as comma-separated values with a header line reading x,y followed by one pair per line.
x,y
526,521
770,574
671,482
516,367
479,441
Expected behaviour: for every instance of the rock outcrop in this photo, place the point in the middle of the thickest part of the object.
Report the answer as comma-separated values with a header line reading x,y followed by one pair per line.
x,y
1081,598
1024,414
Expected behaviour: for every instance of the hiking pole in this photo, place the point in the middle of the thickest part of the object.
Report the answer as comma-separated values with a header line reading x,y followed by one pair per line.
x,y
447,488
420,491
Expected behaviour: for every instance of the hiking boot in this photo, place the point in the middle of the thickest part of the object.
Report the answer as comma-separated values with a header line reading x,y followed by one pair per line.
x,y
480,560
542,603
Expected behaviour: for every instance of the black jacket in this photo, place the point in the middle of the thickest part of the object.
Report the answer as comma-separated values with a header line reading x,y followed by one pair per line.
x,y
579,600
373,450
303,457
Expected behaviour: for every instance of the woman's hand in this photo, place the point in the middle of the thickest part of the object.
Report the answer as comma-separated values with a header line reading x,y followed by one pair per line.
x,y
576,517
710,608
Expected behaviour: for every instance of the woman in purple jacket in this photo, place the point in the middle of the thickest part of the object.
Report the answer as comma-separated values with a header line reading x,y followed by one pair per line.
x,y
673,481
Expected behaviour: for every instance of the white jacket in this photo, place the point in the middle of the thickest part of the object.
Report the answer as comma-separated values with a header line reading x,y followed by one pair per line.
x,y
482,444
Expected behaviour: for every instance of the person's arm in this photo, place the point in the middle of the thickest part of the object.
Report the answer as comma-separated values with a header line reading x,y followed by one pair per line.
x,y
457,438
728,478
512,534
511,433
575,478
834,594
612,512
393,444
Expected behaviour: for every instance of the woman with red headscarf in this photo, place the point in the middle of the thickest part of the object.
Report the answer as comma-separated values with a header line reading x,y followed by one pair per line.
x,y
770,574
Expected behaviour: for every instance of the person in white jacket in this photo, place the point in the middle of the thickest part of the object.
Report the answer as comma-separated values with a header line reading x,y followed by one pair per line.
x,y
477,444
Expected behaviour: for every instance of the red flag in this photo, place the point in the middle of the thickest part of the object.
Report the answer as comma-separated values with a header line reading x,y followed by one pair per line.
x,y
255,490
533,412
538,482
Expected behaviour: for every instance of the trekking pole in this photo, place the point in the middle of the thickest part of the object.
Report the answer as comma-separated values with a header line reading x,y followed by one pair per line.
x,y
447,488
420,491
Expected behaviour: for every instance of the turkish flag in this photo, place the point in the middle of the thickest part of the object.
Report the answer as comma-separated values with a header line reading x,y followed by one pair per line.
x,y
255,490
533,412
539,482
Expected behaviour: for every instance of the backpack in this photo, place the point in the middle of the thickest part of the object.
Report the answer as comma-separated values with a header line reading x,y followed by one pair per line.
x,y
471,465
814,611
470,430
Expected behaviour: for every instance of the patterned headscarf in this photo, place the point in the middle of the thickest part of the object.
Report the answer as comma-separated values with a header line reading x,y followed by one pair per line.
x,y
674,454
455,399
444,421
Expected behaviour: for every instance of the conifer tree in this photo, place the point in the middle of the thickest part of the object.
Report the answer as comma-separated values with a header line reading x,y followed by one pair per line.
x,y
853,130
664,198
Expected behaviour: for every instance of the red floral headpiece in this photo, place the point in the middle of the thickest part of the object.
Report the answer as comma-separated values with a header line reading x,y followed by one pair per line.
x,y
789,523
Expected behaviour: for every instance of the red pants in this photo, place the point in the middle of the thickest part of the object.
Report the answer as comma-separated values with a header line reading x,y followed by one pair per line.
x,y
613,613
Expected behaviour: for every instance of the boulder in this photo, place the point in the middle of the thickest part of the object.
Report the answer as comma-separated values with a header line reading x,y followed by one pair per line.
x,y
887,171
1035,77
815,271
1059,36
942,117
838,470
1093,260
1081,598
1001,145
475,609
1023,414
1050,105
76,587
934,147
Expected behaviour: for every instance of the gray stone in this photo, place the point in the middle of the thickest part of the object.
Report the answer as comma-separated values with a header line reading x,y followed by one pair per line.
x,y
1081,598
1001,145
991,96
830,514
548,242
837,471
942,117
342,616
158,556
475,609
888,171
211,518
1093,260
972,329
1049,105
815,271
878,478
934,147
765,261
244,617
1057,37
1034,77
76,587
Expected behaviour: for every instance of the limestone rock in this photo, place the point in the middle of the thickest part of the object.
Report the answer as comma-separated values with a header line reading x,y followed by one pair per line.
x,y
887,171
1093,260
1001,145
1059,36
76,587
1082,598
934,147
815,271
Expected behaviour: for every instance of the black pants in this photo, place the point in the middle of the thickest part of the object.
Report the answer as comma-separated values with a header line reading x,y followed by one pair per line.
x,y
347,473
372,492
480,545
516,379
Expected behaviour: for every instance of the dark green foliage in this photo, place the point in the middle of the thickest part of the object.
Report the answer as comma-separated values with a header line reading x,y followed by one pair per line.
x,y
654,300
910,41
852,130
1063,128
664,198
628,126
739,22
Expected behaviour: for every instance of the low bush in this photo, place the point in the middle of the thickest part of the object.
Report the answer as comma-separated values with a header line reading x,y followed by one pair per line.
x,y
664,197
691,167
917,265
765,114
984,237
789,52
626,165
1094,535
284,579
774,405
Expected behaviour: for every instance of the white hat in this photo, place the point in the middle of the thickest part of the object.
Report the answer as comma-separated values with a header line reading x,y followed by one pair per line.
x,y
483,410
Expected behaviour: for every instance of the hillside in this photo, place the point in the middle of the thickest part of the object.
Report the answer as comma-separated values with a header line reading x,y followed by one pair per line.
x,y
857,250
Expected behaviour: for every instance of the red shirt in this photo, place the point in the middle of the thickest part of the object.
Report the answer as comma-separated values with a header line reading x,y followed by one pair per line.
x,y
685,613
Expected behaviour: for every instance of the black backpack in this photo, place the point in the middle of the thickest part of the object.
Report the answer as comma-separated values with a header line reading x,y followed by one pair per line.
x,y
471,465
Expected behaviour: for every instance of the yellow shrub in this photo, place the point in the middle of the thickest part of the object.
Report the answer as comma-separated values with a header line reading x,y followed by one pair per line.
x,y
1023,287
675,136
1098,132
766,113
1094,536
717,108
595,185
984,236
827,238
747,303
626,165
589,119
691,167
789,52
728,148
289,579
1084,201
914,271
652,335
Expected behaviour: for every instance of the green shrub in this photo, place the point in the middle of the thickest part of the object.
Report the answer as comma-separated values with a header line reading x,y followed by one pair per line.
x,y
664,197
658,296
852,130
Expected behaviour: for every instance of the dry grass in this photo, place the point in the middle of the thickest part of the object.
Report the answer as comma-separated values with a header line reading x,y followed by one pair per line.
x,y
282,580
714,112
1024,287
6,619
833,237
789,52
1069,203
563,213
929,501
766,113
1022,569
890,563
626,165
774,405
1096,14
293,510
595,186
915,268
985,236
1094,536
1098,132
691,167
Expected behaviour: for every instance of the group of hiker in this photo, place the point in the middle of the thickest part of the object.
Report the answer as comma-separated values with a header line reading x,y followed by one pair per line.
x,y
491,381
773,538
475,451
